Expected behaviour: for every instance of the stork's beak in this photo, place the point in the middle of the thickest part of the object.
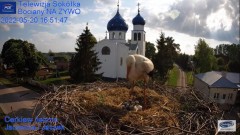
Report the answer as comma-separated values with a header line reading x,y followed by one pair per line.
x,y
128,70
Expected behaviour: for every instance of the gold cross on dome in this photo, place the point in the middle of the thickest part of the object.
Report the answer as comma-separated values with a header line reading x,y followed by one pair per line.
x,y
118,5
138,7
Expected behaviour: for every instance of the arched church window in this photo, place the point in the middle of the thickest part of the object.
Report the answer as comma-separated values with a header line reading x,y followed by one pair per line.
x,y
120,35
105,50
135,36
113,35
139,36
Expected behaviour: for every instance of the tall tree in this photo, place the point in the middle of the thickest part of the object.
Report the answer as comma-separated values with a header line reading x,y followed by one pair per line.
x,y
183,60
150,50
233,53
204,58
22,56
84,63
167,51
228,57
50,53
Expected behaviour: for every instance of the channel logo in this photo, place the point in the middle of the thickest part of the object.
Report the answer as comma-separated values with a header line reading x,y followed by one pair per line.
x,y
227,125
7,7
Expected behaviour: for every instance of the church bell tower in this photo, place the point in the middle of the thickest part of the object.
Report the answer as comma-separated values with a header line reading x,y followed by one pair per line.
x,y
138,33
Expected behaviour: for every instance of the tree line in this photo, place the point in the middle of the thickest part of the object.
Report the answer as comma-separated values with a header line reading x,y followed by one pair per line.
x,y
26,59
22,56
225,57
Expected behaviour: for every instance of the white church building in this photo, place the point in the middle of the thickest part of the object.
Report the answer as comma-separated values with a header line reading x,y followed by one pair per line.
x,y
113,51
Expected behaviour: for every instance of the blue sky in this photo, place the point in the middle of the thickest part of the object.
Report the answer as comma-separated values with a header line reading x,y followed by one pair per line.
x,y
217,21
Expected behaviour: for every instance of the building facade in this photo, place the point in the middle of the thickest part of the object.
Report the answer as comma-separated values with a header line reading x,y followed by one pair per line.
x,y
114,49
219,87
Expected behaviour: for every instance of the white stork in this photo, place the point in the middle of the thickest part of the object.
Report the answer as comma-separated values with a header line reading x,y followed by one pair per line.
x,y
139,68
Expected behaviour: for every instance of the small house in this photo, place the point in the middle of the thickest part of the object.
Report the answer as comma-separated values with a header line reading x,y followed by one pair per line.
x,y
220,87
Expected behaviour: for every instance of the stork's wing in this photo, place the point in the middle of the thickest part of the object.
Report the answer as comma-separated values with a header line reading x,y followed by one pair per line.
x,y
147,66
143,64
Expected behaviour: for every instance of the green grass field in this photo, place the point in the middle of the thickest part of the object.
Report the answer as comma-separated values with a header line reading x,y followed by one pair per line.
x,y
189,78
57,81
173,76
8,82
4,81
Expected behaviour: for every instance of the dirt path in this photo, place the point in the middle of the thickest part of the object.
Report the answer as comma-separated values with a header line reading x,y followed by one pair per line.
x,y
18,102
182,78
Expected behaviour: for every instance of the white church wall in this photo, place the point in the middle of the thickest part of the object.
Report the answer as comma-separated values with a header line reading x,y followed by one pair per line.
x,y
138,27
107,61
117,35
123,53
113,65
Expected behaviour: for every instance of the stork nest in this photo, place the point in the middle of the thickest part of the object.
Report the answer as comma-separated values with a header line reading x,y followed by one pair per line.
x,y
97,108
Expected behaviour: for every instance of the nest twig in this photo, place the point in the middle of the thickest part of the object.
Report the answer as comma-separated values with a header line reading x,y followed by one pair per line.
x,y
79,116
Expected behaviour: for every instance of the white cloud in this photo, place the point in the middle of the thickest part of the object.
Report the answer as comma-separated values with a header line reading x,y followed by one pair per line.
x,y
219,20
173,14
68,35
156,6
45,41
7,27
105,2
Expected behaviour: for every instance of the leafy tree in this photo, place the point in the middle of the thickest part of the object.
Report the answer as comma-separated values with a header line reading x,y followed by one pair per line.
x,y
234,66
228,57
42,59
60,58
50,53
150,50
183,60
167,52
233,53
221,64
204,58
84,63
22,56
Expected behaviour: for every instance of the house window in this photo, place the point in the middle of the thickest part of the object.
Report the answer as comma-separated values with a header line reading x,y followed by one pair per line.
x,y
113,35
216,95
230,95
135,36
120,35
121,61
105,50
224,96
139,36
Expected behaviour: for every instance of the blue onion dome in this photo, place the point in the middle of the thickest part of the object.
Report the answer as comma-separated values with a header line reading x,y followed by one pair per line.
x,y
117,23
138,20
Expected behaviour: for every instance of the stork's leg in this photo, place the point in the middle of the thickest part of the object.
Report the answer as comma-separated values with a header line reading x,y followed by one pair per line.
x,y
131,89
144,96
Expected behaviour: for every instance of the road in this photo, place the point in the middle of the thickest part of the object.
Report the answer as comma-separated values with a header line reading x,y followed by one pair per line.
x,y
181,79
18,102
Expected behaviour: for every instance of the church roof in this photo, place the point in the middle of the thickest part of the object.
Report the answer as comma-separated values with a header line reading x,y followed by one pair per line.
x,y
117,23
138,20
216,80
132,46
